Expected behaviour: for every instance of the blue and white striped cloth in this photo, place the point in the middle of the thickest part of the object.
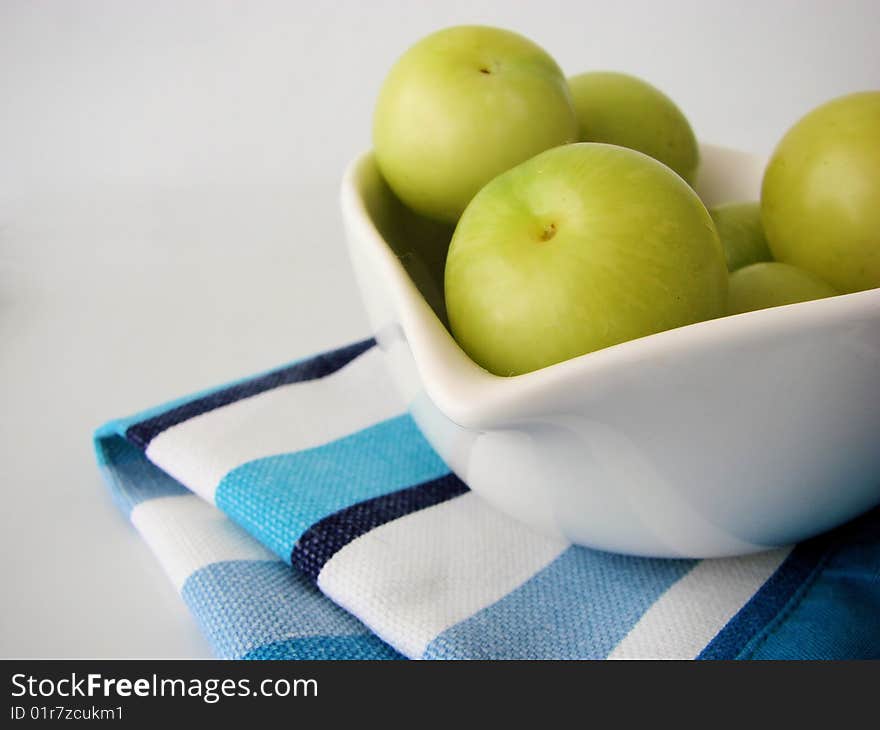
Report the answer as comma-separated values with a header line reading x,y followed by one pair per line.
x,y
301,515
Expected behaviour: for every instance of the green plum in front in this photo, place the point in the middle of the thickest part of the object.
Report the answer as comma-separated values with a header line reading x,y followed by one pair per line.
x,y
620,109
820,198
462,106
582,247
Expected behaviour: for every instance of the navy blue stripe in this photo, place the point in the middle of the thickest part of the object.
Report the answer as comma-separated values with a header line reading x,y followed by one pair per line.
x,y
311,369
325,538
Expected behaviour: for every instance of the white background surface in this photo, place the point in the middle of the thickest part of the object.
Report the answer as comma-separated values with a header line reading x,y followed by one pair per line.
x,y
168,220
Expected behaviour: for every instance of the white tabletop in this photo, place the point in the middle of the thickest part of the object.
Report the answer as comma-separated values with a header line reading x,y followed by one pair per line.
x,y
168,220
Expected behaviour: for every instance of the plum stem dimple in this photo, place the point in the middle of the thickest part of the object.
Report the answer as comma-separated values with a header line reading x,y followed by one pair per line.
x,y
485,70
548,232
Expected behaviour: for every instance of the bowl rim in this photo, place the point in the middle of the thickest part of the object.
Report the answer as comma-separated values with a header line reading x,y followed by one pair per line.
x,y
472,397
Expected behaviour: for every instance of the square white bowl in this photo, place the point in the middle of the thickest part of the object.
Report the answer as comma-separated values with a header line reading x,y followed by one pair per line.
x,y
720,438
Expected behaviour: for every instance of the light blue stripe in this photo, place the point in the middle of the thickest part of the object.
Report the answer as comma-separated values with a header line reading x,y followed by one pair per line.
x,y
279,497
242,605
326,647
129,474
578,607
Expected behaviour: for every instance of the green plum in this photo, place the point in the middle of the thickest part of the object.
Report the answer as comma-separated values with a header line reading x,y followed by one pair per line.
x,y
772,284
741,233
820,198
461,106
581,247
620,109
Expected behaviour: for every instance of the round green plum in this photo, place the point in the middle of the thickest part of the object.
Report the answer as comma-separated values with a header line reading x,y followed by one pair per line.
x,y
620,109
461,106
741,233
581,247
772,284
820,197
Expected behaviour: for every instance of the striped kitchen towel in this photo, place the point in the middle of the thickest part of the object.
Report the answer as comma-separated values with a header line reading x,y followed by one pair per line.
x,y
301,514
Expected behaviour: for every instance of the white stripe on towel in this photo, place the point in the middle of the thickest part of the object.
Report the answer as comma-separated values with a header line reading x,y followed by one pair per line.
x,y
414,577
186,533
200,451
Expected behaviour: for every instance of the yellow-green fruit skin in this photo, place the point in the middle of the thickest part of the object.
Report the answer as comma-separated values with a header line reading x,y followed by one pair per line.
x,y
772,284
617,108
741,233
462,106
820,197
582,247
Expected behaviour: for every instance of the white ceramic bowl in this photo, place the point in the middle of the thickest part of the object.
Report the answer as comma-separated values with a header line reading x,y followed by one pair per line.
x,y
719,438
